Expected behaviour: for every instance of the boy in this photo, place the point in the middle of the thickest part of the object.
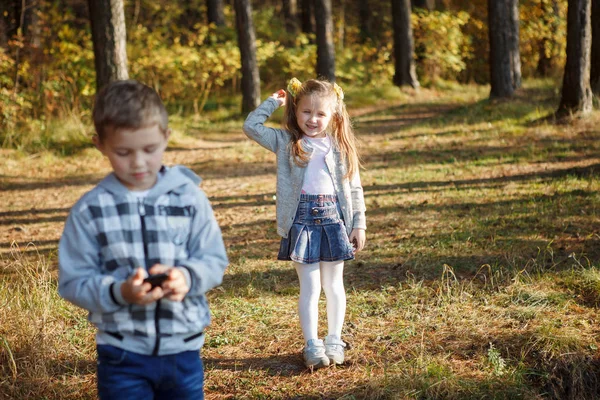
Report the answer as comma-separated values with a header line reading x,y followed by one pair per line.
x,y
142,219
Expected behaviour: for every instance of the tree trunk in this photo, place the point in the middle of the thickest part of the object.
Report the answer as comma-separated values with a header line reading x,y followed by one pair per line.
x,y
11,11
290,15
3,32
325,47
515,55
247,45
341,15
18,50
5,23
109,36
405,72
364,13
189,17
215,12
576,91
595,60
308,17
36,30
428,5
28,17
499,30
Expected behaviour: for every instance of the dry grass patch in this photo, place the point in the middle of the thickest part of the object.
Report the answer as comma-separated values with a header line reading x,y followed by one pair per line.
x,y
480,277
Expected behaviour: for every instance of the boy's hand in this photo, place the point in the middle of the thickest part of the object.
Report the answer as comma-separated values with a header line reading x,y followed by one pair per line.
x,y
280,96
135,291
175,287
358,239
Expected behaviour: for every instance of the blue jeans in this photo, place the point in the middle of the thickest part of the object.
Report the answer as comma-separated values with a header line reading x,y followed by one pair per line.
x,y
126,375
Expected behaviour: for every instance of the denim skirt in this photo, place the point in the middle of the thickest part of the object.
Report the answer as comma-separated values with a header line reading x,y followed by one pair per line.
x,y
318,232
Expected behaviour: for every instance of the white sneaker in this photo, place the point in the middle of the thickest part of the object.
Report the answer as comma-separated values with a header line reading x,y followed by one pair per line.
x,y
314,354
334,349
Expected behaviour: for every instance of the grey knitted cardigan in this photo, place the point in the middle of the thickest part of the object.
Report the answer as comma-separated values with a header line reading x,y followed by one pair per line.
x,y
290,176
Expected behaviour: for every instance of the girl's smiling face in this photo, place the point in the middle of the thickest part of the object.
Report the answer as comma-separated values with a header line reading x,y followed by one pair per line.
x,y
313,114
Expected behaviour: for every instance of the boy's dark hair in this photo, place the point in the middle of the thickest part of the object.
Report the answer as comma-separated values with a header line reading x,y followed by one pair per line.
x,y
128,104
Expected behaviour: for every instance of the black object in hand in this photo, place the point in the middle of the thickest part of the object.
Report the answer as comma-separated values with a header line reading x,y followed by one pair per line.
x,y
157,279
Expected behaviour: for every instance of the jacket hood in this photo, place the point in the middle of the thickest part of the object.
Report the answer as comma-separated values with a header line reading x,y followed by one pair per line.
x,y
171,178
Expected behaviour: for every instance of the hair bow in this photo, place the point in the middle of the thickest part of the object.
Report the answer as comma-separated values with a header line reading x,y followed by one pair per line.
x,y
294,86
338,90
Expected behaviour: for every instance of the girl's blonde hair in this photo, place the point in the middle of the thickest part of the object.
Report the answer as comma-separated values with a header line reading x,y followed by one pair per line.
x,y
340,125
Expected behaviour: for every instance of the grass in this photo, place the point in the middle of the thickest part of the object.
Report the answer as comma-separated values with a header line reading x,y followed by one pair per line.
x,y
480,278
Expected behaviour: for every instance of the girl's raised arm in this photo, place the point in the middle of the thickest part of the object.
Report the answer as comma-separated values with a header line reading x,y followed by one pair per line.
x,y
254,128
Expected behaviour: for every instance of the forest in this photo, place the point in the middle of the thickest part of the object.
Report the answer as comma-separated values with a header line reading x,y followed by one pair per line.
x,y
189,51
479,133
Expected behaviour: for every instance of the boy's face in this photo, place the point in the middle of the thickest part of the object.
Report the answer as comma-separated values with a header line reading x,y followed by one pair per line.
x,y
135,155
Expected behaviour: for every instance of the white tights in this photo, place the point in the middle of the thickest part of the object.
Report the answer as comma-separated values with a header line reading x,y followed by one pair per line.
x,y
330,276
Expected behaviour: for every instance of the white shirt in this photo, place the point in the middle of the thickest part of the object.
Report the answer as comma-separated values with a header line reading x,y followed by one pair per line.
x,y
317,179
140,194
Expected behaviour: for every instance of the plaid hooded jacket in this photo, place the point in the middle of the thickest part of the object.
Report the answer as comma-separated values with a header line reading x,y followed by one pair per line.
x,y
109,233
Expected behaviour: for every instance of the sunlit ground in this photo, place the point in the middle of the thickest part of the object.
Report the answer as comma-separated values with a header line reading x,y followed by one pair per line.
x,y
479,279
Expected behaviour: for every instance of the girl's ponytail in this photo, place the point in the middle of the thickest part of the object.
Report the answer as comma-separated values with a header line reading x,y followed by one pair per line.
x,y
290,123
343,132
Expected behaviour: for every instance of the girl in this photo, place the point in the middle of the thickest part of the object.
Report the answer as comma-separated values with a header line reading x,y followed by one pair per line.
x,y
320,204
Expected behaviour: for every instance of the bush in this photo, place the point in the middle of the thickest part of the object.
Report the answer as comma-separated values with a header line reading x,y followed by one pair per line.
x,y
442,48
183,72
543,27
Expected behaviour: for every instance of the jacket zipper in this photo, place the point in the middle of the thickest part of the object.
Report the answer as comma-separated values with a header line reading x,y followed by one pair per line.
x,y
142,212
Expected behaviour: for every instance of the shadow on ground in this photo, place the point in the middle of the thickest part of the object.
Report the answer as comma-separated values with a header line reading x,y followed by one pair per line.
x,y
280,365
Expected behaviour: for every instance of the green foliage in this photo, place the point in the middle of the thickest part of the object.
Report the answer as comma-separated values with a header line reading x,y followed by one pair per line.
x,y
12,104
71,78
269,26
282,55
278,63
496,361
476,30
543,29
196,67
55,79
441,47
366,63
183,72
584,285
